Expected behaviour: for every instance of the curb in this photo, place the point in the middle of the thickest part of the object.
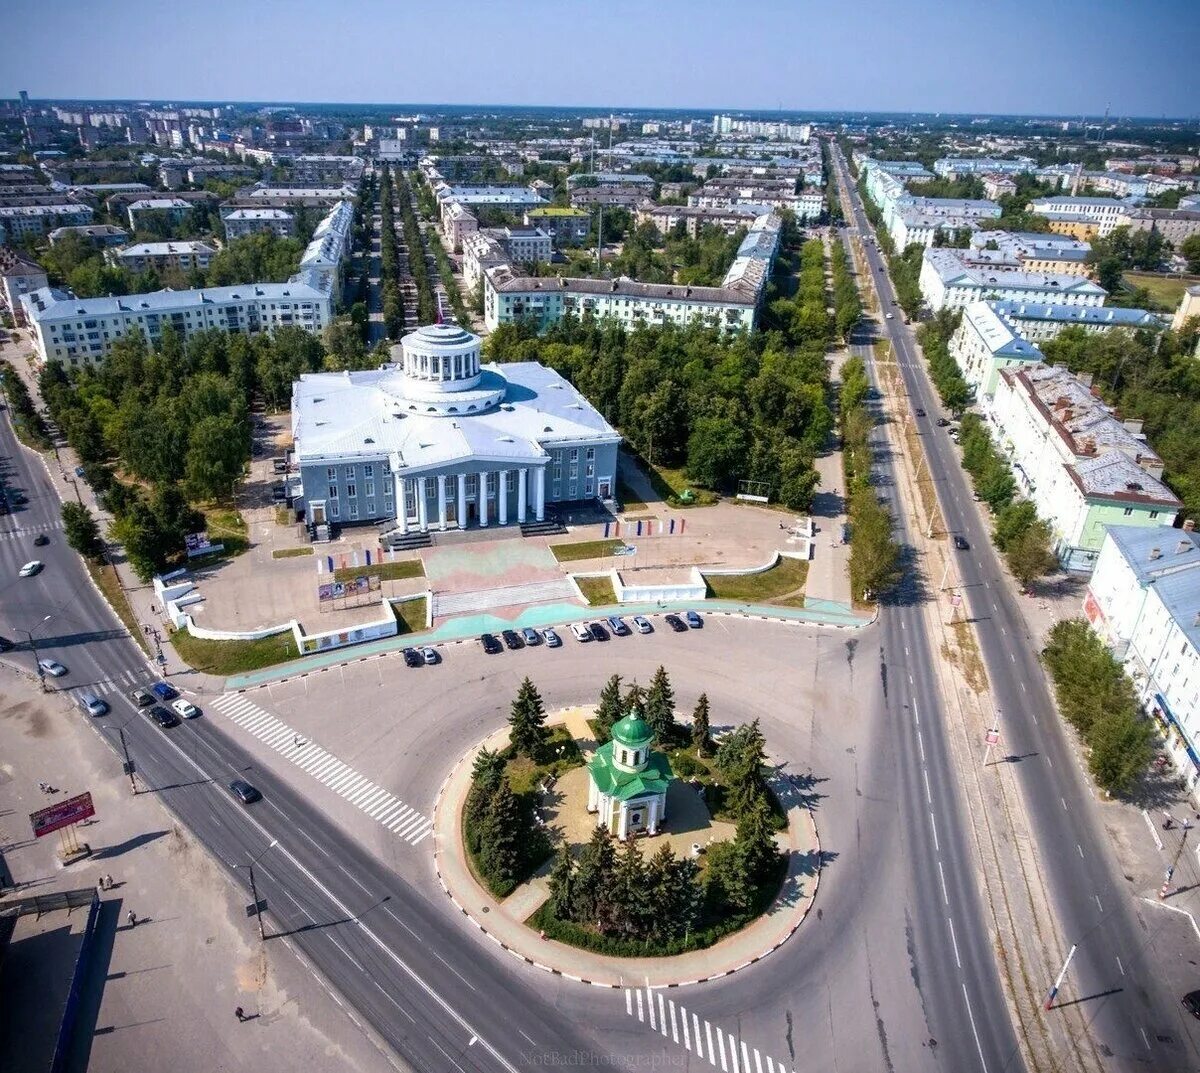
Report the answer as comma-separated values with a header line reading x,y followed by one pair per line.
x,y
811,901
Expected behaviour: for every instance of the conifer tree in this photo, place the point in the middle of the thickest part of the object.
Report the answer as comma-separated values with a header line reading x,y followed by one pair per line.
x,y
609,709
528,732
701,731
499,842
562,883
660,707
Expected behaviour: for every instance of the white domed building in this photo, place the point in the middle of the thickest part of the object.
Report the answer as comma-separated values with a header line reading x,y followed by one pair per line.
x,y
437,440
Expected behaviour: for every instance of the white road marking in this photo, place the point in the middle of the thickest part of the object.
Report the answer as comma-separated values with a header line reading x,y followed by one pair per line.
x,y
721,1050
1080,848
1098,905
921,745
933,826
1120,966
954,942
639,1004
674,1023
629,1003
708,1040
974,1030
942,876
650,1003
928,795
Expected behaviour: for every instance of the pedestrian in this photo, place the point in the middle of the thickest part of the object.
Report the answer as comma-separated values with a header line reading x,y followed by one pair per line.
x,y
132,919
44,787
100,884
108,882
240,1014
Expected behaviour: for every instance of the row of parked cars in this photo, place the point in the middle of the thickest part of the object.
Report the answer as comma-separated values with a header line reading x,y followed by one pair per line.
x,y
584,632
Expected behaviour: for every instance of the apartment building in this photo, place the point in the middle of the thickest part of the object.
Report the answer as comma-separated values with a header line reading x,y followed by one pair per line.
x,y
624,197
644,183
956,167
1038,322
1036,251
947,280
180,256
102,235
1143,601
985,343
566,227
18,221
241,222
695,217
1175,225
996,186
1083,469
148,210
1105,213
320,170
18,276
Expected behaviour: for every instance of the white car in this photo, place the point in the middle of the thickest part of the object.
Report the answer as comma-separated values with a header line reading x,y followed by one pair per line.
x,y
185,708
52,667
889,316
642,624
430,656
31,568
581,632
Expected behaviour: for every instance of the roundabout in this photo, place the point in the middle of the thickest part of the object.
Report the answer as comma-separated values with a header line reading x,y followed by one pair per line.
x,y
665,814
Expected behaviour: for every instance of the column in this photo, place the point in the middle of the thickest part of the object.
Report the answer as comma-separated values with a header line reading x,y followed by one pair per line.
x,y
502,495
401,503
522,495
539,503
462,501
442,501
422,506
482,500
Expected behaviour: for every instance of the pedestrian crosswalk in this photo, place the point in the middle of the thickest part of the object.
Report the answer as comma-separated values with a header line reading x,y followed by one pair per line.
x,y
29,530
722,1050
380,805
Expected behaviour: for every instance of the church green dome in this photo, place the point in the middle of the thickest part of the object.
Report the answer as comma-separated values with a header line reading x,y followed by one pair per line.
x,y
633,731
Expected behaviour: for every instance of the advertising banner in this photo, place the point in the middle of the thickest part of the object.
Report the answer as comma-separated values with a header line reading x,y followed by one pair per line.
x,y
48,820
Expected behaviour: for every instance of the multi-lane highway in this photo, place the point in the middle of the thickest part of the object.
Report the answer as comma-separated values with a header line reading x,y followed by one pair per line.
x,y
1133,1020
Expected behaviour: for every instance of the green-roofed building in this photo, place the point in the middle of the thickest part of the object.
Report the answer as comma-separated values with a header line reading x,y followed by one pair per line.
x,y
628,780
565,226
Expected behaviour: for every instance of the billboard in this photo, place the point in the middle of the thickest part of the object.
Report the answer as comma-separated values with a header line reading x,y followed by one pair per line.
x,y
48,820
336,590
198,544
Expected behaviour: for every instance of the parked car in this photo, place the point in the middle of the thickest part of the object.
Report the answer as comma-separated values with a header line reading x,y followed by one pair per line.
x,y
52,667
1191,1003
412,658
244,792
676,623
617,625
92,704
430,656
5,644
642,624
531,636
164,717
184,708
694,620
41,540
142,697
490,645
79,471
942,422
919,411
581,632
598,632
552,638
961,542
512,640
31,568
163,692
889,316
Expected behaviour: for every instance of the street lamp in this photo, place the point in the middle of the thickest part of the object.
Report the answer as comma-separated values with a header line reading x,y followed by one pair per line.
x,y
37,666
130,767
254,889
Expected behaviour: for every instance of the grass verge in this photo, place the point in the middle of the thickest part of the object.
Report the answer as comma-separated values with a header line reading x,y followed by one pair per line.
x,y
109,584
586,549
598,591
397,571
233,657
410,615
1165,290
782,579
290,553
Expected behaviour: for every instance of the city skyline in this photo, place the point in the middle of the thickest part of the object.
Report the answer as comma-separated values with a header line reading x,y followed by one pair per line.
x,y
673,60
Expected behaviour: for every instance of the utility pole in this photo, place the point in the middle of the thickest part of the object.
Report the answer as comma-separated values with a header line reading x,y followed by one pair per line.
x,y
37,666
1058,982
129,766
262,935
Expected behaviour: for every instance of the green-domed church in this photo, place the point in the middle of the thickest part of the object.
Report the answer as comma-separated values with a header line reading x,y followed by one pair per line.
x,y
628,780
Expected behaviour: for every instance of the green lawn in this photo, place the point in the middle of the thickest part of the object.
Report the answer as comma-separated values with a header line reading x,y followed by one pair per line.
x,y
410,615
1167,291
109,584
397,571
586,549
233,657
225,526
290,553
784,577
598,591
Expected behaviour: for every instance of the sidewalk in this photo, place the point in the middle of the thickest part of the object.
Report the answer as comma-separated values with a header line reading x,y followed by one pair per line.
x,y
502,922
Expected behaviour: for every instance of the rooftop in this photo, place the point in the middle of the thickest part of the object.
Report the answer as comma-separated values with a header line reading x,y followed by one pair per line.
x,y
1001,338
165,249
1109,316
952,270
1155,553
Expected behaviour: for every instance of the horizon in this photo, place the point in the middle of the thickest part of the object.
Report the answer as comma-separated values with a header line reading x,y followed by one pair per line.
x,y
666,57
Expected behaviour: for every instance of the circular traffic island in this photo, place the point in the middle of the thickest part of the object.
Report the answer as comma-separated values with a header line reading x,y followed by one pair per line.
x,y
615,845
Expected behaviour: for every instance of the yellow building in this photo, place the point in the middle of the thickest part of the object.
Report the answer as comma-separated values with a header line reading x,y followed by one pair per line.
x,y
1080,228
1189,306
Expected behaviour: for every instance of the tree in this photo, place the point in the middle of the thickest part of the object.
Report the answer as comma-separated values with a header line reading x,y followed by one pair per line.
x,y
629,905
1029,555
344,345
499,838
1012,520
609,710
700,729
527,721
716,450
83,534
487,769
635,698
740,761
215,456
727,882
660,707
1190,248
1122,746
562,884
593,877
755,839
674,895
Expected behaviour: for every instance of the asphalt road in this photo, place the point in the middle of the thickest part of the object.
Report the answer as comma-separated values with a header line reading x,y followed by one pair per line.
x,y
1134,1020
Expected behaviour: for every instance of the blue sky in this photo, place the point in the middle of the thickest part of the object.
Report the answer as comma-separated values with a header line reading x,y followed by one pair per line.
x,y
1049,56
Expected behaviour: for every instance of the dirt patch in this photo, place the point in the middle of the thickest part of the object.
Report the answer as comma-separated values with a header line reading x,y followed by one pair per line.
x,y
35,719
